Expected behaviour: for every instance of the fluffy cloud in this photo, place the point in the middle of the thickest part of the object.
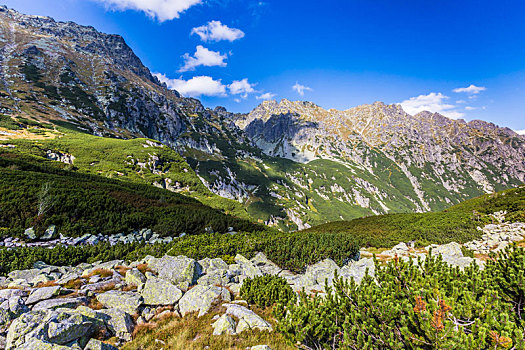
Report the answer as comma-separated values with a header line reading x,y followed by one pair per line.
x,y
216,31
196,86
469,108
521,132
241,87
472,89
300,88
203,57
265,96
162,10
433,102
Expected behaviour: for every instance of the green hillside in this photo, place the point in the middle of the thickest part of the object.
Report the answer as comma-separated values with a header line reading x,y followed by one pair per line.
x,y
457,223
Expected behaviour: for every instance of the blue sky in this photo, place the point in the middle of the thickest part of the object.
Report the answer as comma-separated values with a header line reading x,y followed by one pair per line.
x,y
463,58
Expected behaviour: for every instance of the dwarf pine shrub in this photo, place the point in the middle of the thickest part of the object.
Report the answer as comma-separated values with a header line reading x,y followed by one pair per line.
x,y
415,305
265,291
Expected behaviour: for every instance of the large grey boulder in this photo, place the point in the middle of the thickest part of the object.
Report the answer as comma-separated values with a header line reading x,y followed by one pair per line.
x,y
322,271
452,254
8,293
200,298
180,270
247,318
215,278
37,344
15,305
224,325
52,304
135,277
209,265
357,269
30,233
126,301
66,327
44,293
49,329
26,275
157,291
265,265
248,268
118,322
49,233
6,316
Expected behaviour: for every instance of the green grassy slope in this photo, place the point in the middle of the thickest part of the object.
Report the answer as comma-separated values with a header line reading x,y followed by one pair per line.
x,y
457,223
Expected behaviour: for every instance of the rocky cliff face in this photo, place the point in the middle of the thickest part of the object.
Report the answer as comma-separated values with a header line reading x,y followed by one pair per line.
x,y
292,164
428,148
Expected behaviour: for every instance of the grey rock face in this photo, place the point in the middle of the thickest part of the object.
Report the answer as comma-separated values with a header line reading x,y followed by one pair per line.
x,y
126,301
247,318
95,344
135,277
224,325
200,298
52,304
39,294
181,271
160,292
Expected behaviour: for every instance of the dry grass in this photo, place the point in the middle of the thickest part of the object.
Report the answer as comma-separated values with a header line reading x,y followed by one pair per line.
x,y
74,284
129,288
122,270
105,288
192,333
100,272
144,268
95,304
46,284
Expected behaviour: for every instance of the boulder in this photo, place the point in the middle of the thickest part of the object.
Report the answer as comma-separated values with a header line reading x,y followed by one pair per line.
x,y
39,294
95,344
224,324
8,293
209,265
16,305
52,304
49,233
126,301
266,266
200,298
49,329
30,233
181,271
157,291
357,270
135,277
65,327
215,278
247,318
118,322
247,267
34,344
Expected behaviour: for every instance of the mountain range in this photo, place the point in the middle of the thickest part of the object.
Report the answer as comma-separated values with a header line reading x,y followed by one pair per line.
x,y
288,164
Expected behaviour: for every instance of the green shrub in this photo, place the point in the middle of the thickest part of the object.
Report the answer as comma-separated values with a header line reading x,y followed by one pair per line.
x,y
415,305
265,291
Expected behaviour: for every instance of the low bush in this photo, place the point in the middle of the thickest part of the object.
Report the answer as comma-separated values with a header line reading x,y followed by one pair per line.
x,y
416,305
265,291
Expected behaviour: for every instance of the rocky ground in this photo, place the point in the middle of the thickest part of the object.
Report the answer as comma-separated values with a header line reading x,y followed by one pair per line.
x,y
91,306
49,239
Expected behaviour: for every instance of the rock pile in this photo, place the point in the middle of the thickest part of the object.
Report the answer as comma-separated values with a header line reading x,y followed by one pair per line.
x,y
50,239
497,237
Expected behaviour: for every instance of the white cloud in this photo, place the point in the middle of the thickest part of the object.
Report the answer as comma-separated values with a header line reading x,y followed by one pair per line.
x,y
461,101
265,96
469,108
203,57
216,31
162,10
196,86
433,102
241,87
300,88
472,89
521,132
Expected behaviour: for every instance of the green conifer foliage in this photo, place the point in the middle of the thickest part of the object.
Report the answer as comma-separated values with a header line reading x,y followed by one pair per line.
x,y
424,304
